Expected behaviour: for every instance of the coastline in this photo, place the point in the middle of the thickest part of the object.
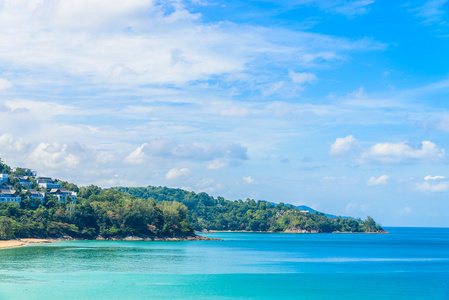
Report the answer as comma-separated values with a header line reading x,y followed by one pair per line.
x,y
293,232
7,244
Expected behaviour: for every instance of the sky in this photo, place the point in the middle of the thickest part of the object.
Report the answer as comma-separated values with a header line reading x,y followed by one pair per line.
x,y
339,105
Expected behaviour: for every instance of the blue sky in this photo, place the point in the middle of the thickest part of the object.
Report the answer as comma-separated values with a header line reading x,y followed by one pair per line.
x,y
339,105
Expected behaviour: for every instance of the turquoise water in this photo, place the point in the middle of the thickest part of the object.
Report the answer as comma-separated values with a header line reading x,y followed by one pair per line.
x,y
409,263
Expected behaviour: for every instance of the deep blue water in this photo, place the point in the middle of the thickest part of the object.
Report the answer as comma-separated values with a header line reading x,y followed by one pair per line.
x,y
409,263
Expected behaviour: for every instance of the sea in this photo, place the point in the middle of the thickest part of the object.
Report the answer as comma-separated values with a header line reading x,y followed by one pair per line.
x,y
408,263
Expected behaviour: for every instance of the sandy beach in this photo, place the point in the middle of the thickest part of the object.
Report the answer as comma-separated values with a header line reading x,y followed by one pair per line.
x,y
21,242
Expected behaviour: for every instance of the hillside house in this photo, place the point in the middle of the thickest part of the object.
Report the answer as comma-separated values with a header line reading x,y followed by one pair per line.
x,y
28,172
64,195
9,196
48,183
25,181
37,195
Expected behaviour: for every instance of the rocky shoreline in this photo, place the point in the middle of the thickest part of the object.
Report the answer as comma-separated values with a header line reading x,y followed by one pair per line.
x,y
158,239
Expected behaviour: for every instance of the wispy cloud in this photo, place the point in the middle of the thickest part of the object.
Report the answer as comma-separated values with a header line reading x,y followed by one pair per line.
x,y
432,11
381,180
433,184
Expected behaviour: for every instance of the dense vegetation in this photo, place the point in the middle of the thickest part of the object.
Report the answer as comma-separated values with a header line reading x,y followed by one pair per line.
x,y
98,212
154,211
105,213
207,212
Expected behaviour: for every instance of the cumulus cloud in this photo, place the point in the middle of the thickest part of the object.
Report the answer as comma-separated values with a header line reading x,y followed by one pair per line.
x,y
12,144
157,148
152,42
177,173
381,180
53,155
4,84
344,146
387,153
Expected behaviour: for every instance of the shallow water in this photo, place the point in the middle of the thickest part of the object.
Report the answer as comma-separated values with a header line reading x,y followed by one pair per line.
x,y
409,262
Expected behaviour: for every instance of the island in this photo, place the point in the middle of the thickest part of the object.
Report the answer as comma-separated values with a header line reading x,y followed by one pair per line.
x,y
48,208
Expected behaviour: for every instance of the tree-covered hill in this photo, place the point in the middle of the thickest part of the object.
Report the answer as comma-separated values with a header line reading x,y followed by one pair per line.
x,y
152,212
105,213
96,213
207,212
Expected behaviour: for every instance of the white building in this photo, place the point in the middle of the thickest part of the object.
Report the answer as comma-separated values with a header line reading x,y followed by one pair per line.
x,y
9,196
64,195
48,183
3,178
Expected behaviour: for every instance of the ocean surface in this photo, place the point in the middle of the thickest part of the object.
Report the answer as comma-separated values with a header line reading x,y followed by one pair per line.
x,y
409,263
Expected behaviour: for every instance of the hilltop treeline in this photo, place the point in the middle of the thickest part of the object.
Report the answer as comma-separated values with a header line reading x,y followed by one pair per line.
x,y
155,211
207,212
105,213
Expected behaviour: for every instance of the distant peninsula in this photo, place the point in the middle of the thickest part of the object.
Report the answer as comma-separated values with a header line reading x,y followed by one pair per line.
x,y
42,207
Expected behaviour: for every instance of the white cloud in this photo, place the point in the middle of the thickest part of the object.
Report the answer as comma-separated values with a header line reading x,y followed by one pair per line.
x,y
217,164
10,144
428,187
129,43
156,148
432,11
218,155
354,208
235,112
387,153
4,84
352,8
347,8
381,180
428,177
357,94
208,185
433,184
177,173
406,210
344,146
249,180
302,78
53,156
